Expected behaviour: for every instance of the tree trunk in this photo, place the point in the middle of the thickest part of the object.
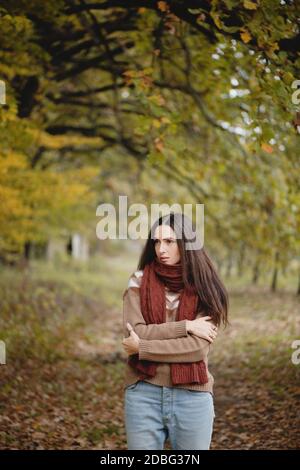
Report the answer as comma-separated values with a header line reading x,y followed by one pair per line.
x,y
256,273
27,250
241,260
275,273
229,266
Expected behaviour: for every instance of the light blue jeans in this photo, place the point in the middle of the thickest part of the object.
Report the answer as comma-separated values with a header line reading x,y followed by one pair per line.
x,y
154,413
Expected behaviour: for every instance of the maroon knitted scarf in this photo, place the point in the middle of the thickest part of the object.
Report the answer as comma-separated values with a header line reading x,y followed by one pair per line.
x,y
156,276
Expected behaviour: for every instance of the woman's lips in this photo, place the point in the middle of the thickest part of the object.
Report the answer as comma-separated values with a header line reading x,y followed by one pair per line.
x,y
164,259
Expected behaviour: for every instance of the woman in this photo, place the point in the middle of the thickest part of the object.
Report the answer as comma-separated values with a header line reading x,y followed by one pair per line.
x,y
171,308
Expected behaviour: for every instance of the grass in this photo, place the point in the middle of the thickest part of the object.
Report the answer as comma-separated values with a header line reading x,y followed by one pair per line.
x,y
41,306
259,339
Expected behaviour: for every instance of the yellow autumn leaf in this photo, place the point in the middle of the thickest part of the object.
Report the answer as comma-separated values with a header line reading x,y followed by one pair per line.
x,y
266,147
156,123
162,6
245,35
128,73
250,5
157,99
273,47
165,120
217,21
159,144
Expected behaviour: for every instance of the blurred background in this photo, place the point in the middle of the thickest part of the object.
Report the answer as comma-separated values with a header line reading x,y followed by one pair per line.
x,y
164,102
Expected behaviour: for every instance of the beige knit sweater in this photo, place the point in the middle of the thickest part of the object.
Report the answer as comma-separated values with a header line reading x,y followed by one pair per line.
x,y
164,343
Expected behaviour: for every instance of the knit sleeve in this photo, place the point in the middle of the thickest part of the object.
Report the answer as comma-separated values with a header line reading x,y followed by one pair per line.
x,y
189,349
132,314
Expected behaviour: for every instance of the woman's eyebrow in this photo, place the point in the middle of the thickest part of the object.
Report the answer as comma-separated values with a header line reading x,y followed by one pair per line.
x,y
165,239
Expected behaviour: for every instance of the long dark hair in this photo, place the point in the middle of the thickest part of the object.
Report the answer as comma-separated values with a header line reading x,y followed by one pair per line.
x,y
197,268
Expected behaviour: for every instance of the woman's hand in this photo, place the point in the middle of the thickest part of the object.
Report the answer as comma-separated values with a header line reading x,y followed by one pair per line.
x,y
131,344
203,328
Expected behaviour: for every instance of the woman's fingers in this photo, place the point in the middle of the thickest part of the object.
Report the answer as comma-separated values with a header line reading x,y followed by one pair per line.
x,y
129,327
212,335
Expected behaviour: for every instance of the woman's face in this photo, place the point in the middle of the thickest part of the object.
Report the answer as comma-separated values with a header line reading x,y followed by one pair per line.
x,y
166,247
